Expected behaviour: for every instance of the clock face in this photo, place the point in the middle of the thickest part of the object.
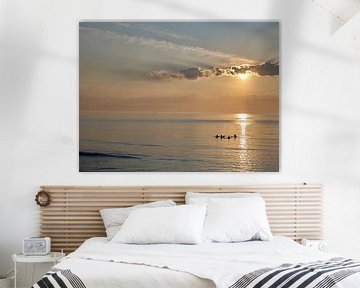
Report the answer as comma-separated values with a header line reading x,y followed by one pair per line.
x,y
40,245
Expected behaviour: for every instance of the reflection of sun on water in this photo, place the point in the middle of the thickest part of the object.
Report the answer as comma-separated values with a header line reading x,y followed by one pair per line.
x,y
243,122
243,144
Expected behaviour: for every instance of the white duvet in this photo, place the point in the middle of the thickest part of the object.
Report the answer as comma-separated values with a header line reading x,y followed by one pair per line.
x,y
100,263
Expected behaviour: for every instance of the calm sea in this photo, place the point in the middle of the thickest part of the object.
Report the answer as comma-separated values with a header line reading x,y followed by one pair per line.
x,y
128,142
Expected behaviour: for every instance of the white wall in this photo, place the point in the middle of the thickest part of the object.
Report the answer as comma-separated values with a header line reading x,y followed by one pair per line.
x,y
320,121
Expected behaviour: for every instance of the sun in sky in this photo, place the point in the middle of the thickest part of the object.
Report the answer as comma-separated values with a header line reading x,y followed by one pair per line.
x,y
242,116
243,76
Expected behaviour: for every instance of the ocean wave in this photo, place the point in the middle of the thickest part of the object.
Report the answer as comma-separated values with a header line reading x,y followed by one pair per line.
x,y
122,143
109,154
135,156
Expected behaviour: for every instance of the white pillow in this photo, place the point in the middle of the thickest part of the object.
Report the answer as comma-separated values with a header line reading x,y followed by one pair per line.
x,y
113,218
204,198
180,224
236,220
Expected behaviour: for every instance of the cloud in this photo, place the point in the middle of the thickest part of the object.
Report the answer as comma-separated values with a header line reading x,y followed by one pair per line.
x,y
266,69
194,73
191,73
209,56
225,65
239,70
165,75
138,26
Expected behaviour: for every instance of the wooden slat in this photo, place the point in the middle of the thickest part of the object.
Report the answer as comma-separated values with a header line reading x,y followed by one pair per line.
x,y
73,216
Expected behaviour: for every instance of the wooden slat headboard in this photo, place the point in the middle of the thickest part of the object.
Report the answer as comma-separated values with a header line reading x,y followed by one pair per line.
x,y
73,215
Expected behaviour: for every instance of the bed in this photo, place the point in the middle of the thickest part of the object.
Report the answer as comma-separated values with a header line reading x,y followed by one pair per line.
x,y
293,210
99,263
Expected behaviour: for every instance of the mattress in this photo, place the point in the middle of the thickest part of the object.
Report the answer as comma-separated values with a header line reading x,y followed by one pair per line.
x,y
99,263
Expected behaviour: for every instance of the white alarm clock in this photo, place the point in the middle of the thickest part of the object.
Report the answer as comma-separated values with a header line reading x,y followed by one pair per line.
x,y
320,245
36,246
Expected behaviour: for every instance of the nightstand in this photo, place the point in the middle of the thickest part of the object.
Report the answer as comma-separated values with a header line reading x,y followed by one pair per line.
x,y
320,245
53,257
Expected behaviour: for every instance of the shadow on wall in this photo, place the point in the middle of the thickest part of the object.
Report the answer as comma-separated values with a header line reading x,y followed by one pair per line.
x,y
22,45
188,10
23,35
21,51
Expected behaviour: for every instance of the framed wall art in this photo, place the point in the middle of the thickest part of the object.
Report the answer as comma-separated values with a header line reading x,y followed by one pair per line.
x,y
179,96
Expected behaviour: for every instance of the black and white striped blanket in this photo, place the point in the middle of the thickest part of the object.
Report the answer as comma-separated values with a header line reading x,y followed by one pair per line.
x,y
320,274
59,278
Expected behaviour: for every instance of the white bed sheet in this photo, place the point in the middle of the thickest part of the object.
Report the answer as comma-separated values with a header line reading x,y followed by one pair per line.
x,y
100,263
101,274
